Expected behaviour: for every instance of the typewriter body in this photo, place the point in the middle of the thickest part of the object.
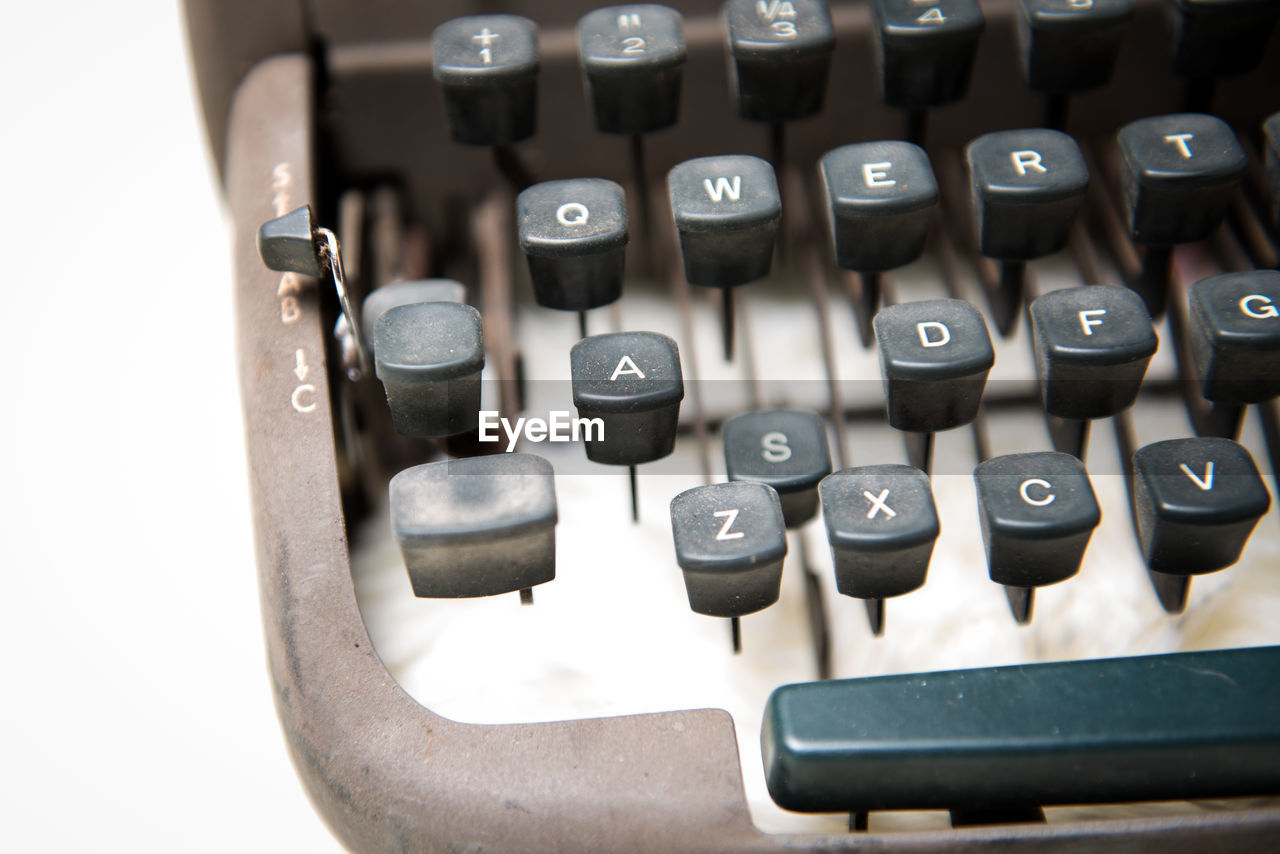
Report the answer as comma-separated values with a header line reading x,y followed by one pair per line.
x,y
333,104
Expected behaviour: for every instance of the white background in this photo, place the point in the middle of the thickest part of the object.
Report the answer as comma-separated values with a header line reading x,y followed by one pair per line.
x,y
136,709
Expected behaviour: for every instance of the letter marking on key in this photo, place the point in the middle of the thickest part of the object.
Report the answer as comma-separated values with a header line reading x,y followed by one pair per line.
x,y
1180,140
723,187
1268,309
875,176
1086,321
925,339
933,16
774,447
572,213
878,504
1206,482
729,516
626,366
775,10
1044,500
1024,160
297,401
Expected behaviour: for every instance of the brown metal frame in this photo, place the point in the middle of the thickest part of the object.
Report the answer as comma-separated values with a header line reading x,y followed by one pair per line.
x,y
385,772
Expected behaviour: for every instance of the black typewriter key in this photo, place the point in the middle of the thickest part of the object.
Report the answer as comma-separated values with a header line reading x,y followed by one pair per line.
x,y
879,198
730,542
1037,513
633,57
1220,38
479,526
406,292
1179,173
726,211
785,449
1271,133
934,358
288,243
632,383
1071,45
1235,336
1027,186
781,53
574,236
487,67
881,525
1092,346
428,356
1196,501
926,49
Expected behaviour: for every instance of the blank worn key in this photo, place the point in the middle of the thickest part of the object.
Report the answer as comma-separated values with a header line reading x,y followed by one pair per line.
x,y
1037,512
429,356
487,67
730,542
785,449
934,358
574,236
633,57
781,53
406,292
1235,336
1092,345
879,198
926,49
476,527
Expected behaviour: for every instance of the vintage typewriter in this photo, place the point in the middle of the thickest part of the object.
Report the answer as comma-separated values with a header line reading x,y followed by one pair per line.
x,y
886,264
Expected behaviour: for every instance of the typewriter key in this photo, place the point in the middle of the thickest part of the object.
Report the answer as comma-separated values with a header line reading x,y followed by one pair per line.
x,y
1037,512
1180,173
781,53
782,448
478,526
487,67
881,524
726,212
730,542
429,356
879,198
632,383
926,53
1197,501
574,236
934,359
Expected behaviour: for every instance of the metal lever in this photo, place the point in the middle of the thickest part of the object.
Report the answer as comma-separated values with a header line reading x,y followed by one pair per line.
x,y
293,244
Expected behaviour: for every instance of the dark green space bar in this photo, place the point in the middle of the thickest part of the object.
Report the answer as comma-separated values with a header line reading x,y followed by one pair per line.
x,y
1186,725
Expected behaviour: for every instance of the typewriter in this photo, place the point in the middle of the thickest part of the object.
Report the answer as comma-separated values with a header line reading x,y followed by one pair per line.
x,y
931,349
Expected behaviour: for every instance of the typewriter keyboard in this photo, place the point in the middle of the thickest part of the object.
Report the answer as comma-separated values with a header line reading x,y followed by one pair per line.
x,y
826,397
